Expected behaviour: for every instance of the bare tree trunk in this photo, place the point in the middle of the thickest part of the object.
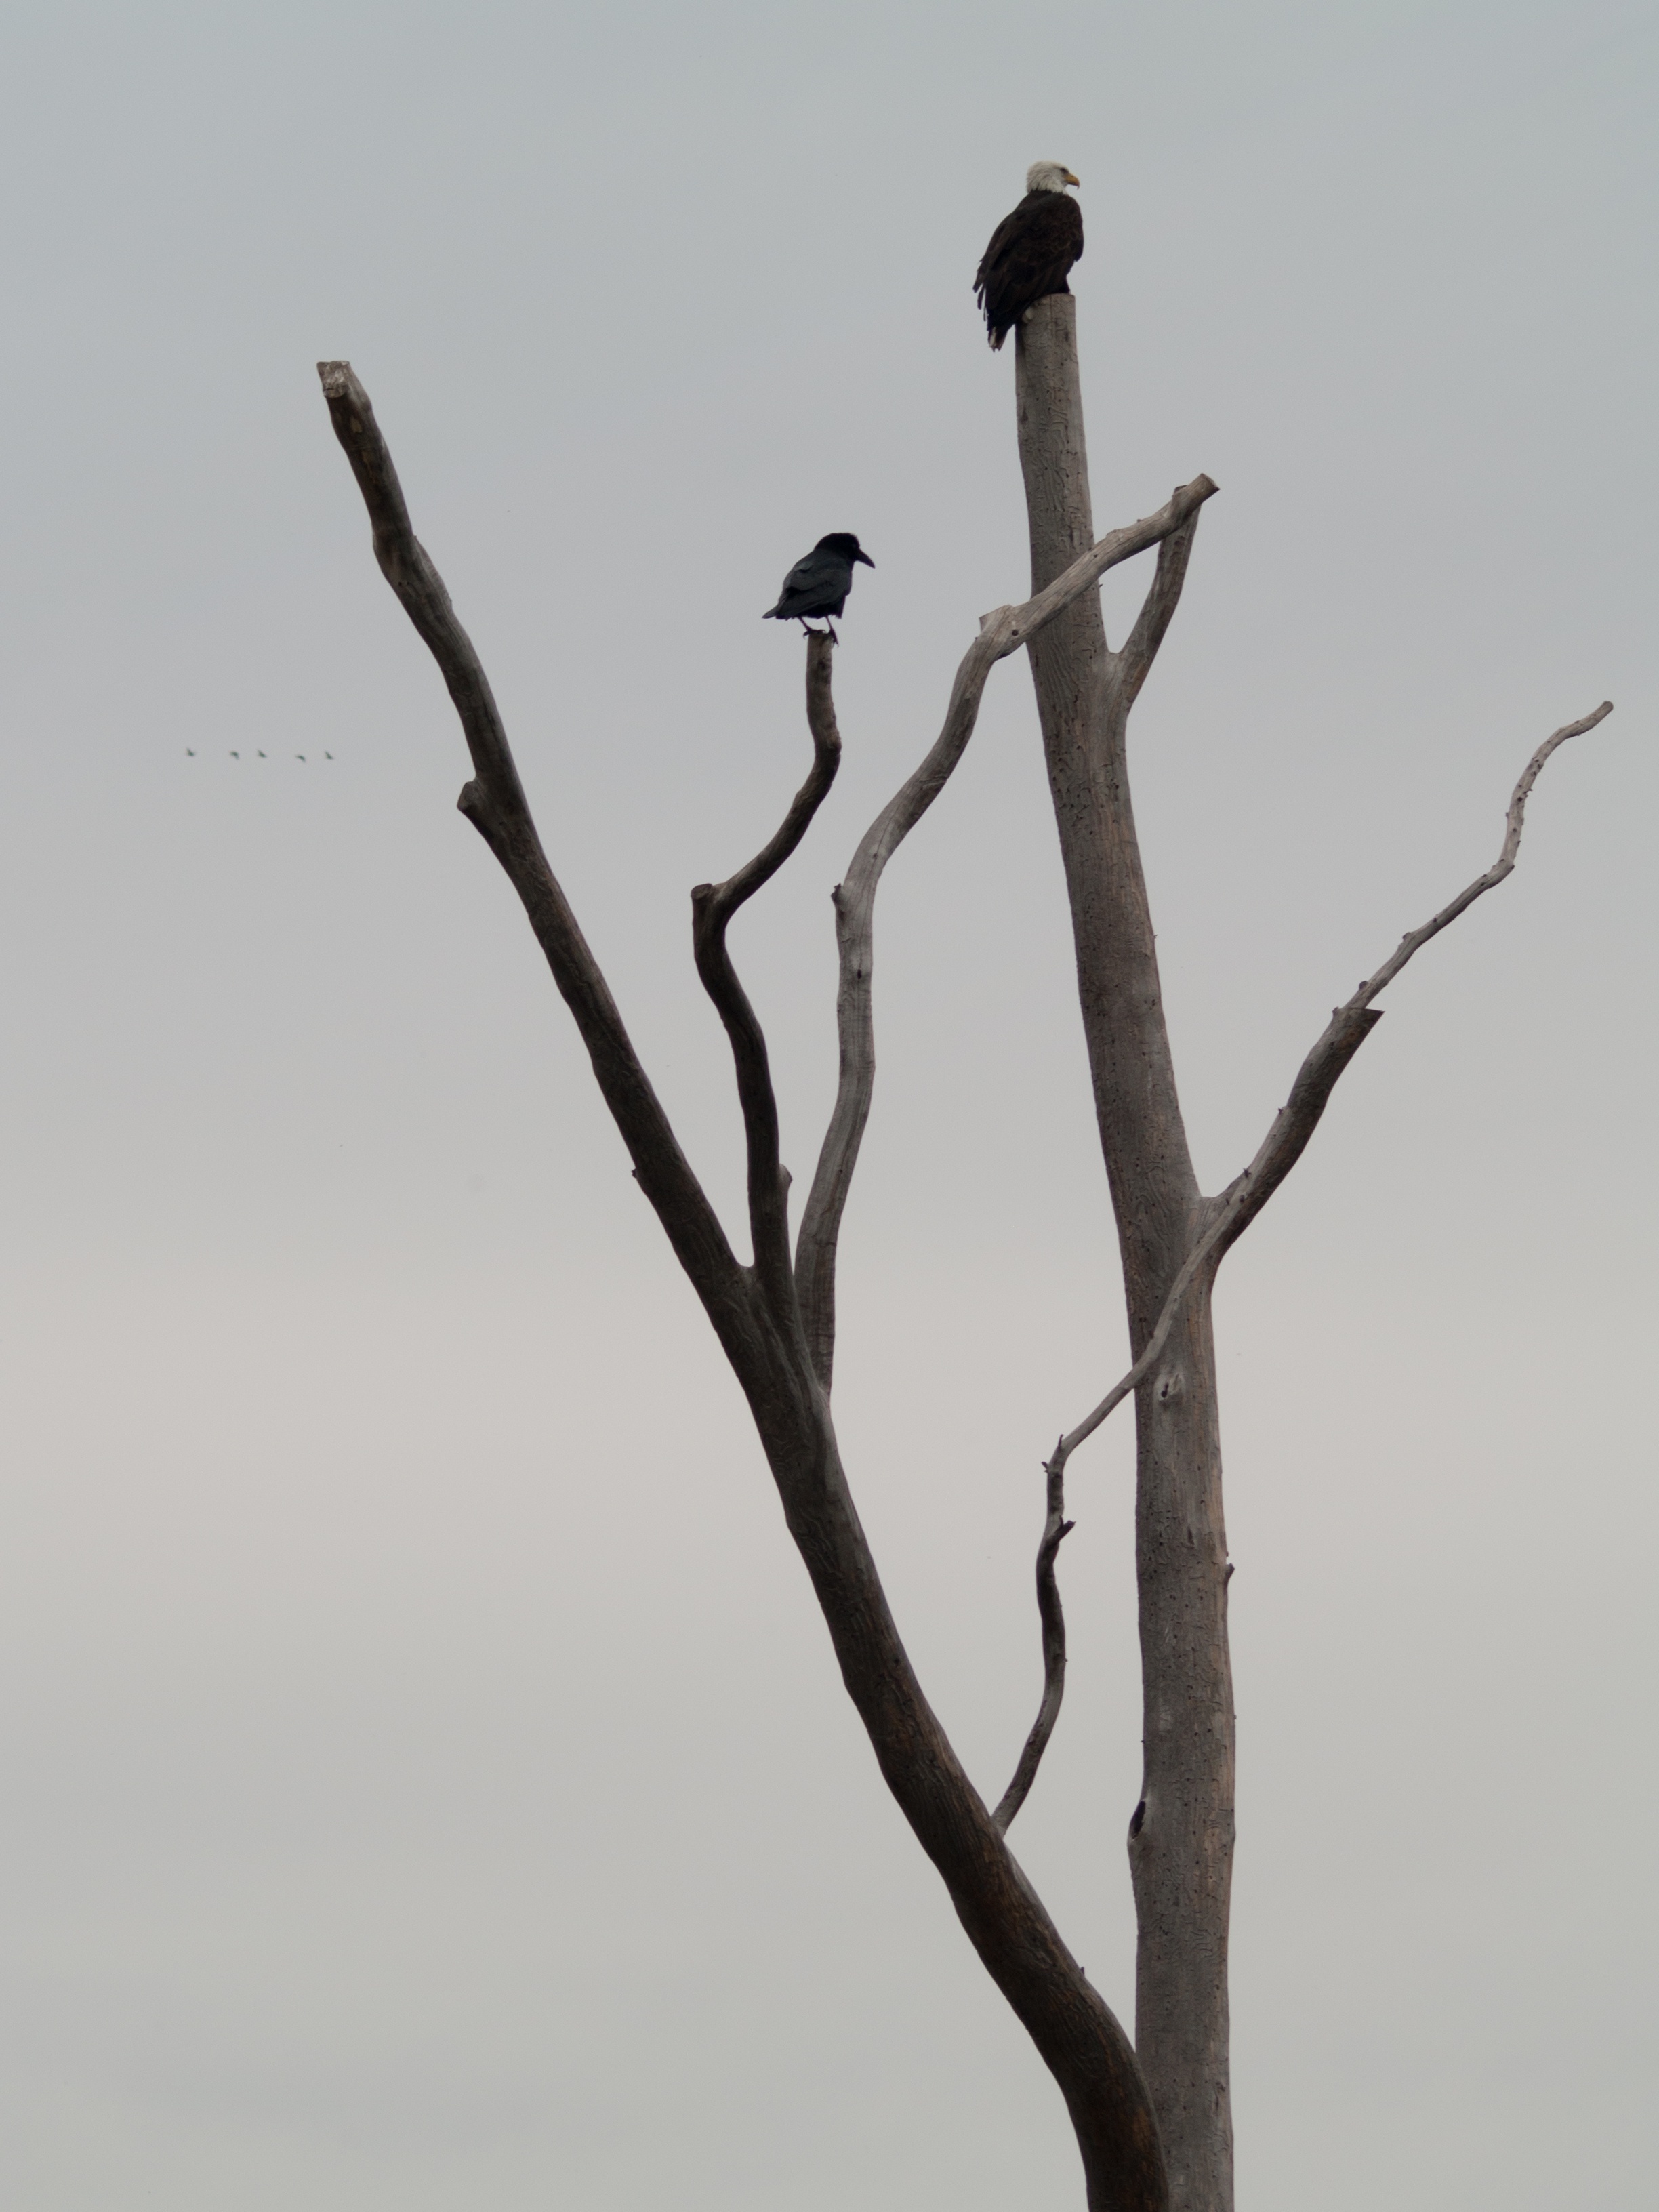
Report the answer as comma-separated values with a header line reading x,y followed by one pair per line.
x,y
775,1317
1181,1832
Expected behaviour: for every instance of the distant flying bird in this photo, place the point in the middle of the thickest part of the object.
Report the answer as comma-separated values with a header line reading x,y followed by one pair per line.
x,y
299,755
1031,251
236,755
191,750
328,756
817,586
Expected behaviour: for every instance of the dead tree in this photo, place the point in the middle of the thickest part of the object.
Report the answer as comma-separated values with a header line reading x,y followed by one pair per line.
x,y
1151,2118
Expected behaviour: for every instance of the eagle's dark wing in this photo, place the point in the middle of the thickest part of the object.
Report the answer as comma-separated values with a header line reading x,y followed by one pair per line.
x,y
816,585
1000,238
1031,253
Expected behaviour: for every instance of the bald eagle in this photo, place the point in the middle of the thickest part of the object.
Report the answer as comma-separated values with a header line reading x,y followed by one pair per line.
x,y
1031,250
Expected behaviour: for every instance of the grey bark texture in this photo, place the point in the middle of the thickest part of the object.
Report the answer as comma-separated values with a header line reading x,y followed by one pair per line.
x,y
1171,1241
1181,1845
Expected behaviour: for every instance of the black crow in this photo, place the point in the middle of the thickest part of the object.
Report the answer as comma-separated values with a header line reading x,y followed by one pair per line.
x,y
1031,251
817,585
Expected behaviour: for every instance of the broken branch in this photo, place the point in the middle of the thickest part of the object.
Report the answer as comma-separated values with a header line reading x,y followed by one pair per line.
x,y
494,804
1130,667
1055,1530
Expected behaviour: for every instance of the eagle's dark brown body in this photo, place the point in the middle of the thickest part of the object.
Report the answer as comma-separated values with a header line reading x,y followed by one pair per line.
x,y
1031,253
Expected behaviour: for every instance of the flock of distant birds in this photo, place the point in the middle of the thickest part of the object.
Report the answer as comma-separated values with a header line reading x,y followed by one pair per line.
x,y
257,755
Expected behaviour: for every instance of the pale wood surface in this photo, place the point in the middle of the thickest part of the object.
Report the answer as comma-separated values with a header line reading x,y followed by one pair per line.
x,y
1171,1241
1180,1848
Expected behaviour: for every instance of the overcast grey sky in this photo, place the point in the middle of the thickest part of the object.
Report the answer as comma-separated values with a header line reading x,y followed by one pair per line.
x,y
427,1787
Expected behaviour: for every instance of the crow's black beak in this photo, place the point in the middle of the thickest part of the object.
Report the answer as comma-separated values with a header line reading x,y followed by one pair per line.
x,y
864,557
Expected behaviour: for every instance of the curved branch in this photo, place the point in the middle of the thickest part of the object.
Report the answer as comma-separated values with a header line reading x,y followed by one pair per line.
x,y
712,906
494,803
723,900
1415,939
1055,1530
1001,632
1296,1119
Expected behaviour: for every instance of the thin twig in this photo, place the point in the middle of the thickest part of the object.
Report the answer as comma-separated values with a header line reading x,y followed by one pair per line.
x,y
1415,939
712,906
1055,1530
1001,632
1295,1122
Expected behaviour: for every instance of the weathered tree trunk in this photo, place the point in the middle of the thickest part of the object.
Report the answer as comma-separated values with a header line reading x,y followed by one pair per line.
x,y
775,1318
1181,1832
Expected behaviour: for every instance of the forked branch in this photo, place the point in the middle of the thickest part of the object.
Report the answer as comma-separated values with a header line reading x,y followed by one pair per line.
x,y
712,906
1001,632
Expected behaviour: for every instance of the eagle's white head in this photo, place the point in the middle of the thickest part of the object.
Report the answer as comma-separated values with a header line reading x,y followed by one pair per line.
x,y
1050,177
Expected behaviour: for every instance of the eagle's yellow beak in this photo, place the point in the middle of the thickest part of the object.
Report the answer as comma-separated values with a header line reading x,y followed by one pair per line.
x,y
1071,180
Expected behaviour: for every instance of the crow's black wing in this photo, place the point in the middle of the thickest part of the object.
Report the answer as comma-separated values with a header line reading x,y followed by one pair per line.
x,y
813,571
816,585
